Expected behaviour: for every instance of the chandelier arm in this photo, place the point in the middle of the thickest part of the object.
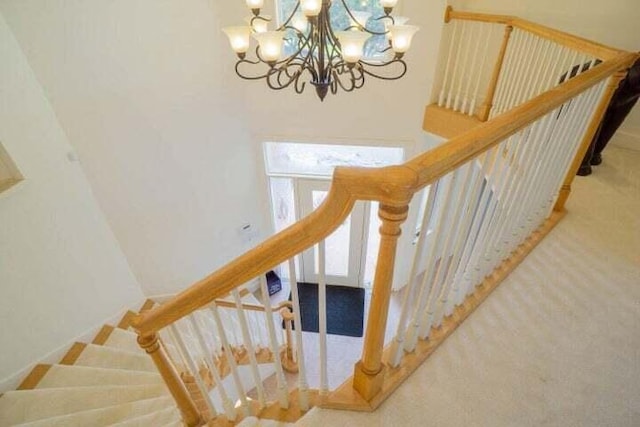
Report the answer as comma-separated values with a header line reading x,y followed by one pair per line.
x,y
246,76
337,79
299,87
279,85
381,77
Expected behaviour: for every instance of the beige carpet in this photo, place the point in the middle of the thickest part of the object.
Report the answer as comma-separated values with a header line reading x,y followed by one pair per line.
x,y
558,344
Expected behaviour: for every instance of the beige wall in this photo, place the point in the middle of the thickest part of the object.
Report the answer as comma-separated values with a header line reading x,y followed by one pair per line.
x,y
612,22
170,138
61,269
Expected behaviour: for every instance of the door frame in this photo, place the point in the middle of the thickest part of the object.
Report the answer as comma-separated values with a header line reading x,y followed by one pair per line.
x,y
359,227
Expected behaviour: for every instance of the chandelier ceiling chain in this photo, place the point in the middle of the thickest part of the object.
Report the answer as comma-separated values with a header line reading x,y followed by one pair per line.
x,y
329,59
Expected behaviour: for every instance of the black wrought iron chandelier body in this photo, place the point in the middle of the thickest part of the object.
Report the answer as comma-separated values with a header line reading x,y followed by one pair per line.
x,y
327,58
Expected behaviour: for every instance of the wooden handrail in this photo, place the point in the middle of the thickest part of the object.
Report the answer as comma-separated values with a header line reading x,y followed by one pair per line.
x,y
393,186
439,161
595,49
253,307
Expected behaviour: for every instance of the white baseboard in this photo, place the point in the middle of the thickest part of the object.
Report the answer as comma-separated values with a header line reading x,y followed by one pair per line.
x,y
629,139
14,380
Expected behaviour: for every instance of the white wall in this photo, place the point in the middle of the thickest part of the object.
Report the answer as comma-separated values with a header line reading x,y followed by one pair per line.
x,y
170,137
612,22
61,269
140,89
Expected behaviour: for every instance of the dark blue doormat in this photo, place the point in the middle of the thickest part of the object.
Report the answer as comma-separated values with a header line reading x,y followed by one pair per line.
x,y
345,309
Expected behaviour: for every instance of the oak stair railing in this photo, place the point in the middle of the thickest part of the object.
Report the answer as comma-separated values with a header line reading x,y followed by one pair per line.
x,y
521,103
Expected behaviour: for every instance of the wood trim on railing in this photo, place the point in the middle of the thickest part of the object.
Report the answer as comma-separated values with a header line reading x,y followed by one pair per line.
x,y
595,49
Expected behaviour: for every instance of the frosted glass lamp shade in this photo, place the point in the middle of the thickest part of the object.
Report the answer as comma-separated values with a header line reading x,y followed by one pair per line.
x,y
360,20
300,23
239,38
270,44
311,8
388,3
352,45
255,4
401,36
397,20
259,25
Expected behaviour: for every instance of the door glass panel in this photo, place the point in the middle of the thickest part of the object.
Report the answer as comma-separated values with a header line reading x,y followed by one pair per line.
x,y
284,213
337,245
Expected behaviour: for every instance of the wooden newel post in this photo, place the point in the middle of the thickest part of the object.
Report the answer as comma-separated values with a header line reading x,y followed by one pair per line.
x,y
152,345
369,371
565,190
487,105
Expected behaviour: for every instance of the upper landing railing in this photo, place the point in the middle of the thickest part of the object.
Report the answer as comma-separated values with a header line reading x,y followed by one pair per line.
x,y
531,99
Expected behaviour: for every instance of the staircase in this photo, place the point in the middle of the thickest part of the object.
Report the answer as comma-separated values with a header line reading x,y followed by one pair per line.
x,y
108,382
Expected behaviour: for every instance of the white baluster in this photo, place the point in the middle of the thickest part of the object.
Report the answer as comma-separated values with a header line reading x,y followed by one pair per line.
x,y
452,45
303,387
195,371
275,347
508,78
248,343
476,93
409,292
413,331
456,67
464,69
465,238
322,318
229,410
231,359
446,255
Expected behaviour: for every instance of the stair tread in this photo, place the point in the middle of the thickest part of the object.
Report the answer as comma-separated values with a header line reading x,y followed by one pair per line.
x,y
161,417
106,357
30,405
75,376
124,340
104,416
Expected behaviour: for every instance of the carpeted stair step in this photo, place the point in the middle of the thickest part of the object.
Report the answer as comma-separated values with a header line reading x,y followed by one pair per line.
x,y
98,356
77,376
124,340
255,422
106,416
158,418
29,405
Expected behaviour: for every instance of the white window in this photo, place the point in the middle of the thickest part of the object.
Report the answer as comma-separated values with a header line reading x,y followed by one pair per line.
x,y
340,20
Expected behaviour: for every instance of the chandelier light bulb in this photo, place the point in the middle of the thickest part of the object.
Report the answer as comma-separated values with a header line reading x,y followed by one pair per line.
x,y
352,45
360,20
270,44
311,8
397,20
401,36
239,38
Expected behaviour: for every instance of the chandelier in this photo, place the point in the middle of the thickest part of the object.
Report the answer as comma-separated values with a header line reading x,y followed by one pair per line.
x,y
306,48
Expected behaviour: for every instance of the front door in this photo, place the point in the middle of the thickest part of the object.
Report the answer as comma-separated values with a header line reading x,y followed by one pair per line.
x,y
344,248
